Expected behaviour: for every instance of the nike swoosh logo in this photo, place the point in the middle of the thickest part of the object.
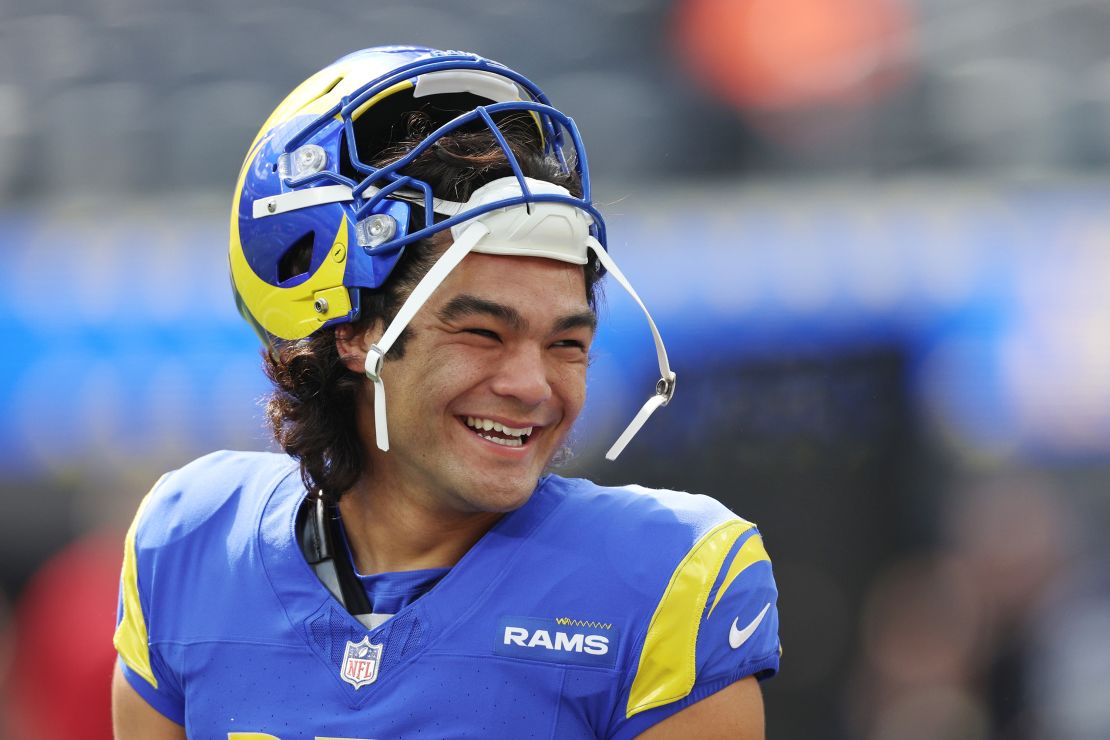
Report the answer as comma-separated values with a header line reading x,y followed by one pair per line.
x,y
736,637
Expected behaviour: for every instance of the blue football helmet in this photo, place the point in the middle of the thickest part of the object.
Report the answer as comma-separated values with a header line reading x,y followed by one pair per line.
x,y
313,224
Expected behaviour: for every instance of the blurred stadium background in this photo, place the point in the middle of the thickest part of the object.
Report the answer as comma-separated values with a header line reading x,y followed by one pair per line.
x,y
873,233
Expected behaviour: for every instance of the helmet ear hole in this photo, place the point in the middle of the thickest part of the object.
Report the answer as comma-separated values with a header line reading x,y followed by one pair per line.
x,y
297,260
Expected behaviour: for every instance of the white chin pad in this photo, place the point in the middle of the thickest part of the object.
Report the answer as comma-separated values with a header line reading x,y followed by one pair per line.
x,y
557,231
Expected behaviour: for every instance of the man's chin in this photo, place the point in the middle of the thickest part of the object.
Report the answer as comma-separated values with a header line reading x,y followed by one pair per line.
x,y
503,496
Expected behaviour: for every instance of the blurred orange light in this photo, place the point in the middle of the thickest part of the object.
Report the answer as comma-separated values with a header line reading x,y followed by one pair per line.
x,y
784,54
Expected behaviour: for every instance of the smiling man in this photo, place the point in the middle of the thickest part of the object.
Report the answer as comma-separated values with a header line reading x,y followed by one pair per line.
x,y
414,241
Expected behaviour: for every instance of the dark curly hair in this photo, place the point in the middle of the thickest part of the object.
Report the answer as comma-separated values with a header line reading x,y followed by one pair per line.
x,y
312,408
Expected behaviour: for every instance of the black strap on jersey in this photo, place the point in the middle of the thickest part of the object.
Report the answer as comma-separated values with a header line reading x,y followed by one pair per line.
x,y
318,532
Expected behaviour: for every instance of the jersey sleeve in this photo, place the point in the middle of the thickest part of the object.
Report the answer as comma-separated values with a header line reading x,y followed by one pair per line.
x,y
143,665
716,623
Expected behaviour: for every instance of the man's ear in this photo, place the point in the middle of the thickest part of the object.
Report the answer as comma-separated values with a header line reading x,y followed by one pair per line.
x,y
353,345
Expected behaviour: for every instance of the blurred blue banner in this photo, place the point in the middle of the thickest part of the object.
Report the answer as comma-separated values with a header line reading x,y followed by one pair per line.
x,y
124,344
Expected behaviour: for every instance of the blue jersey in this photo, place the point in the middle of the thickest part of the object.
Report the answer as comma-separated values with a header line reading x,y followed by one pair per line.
x,y
588,612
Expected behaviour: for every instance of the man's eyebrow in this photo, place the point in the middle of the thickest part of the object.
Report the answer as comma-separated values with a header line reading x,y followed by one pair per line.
x,y
468,305
582,319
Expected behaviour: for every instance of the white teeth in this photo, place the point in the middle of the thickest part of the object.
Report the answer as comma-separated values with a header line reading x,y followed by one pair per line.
x,y
489,425
516,442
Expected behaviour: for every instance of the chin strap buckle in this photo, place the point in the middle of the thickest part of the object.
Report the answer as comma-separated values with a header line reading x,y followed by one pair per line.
x,y
375,359
665,387
664,390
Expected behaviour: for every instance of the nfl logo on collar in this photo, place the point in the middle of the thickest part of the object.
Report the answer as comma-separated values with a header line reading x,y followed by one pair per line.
x,y
360,662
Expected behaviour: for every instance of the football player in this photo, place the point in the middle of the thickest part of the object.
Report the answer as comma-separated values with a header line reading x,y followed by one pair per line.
x,y
414,240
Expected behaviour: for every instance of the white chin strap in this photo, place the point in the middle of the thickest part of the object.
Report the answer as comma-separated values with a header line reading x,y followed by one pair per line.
x,y
552,230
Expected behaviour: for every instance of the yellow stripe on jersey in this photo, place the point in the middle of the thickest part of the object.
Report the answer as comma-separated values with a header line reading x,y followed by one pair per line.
x,y
751,552
131,635
667,668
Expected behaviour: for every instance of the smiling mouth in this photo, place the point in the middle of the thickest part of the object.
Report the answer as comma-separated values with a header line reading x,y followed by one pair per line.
x,y
497,432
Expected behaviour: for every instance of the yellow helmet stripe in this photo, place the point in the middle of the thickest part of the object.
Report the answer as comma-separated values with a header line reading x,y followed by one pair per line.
x,y
313,90
377,98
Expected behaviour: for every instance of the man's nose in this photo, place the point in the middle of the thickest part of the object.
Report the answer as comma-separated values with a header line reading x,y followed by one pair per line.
x,y
523,375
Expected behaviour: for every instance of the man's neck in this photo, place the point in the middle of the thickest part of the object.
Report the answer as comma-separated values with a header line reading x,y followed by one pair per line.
x,y
389,531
